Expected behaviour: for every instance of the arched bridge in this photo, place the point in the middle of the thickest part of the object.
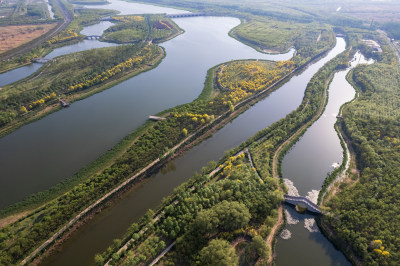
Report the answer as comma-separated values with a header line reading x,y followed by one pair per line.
x,y
185,15
311,206
92,37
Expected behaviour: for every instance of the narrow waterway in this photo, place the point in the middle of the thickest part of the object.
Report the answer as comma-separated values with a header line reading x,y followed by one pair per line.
x,y
305,168
60,144
98,234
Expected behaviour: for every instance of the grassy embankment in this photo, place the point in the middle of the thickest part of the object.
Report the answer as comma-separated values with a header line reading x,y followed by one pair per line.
x,y
183,210
364,208
133,29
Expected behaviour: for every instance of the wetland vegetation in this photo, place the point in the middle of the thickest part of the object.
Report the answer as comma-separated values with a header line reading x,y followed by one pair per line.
x,y
233,209
366,206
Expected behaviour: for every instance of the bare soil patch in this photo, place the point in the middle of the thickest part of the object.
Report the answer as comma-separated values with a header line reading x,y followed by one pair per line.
x,y
14,36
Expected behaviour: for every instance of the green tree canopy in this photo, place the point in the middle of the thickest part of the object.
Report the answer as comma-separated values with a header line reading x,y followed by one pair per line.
x,y
218,252
224,216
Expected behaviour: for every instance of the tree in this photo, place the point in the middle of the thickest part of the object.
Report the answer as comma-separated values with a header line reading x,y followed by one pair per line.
x,y
224,216
98,259
260,247
218,252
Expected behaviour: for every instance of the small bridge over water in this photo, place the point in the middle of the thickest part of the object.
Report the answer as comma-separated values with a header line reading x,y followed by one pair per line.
x,y
41,60
186,15
311,206
92,37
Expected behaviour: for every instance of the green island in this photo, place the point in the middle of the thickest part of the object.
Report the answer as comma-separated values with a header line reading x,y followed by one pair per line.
x,y
133,29
231,212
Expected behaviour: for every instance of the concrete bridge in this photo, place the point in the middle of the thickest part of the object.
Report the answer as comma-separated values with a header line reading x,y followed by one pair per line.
x,y
311,206
186,15
41,60
92,37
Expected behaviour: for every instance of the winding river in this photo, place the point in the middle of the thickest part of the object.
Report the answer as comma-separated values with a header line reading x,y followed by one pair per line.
x,y
304,169
60,144
51,149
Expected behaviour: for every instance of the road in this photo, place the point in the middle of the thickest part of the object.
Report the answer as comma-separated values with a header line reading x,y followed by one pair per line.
x,y
394,46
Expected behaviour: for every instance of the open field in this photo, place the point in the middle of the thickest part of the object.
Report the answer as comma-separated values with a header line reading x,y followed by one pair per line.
x,y
14,36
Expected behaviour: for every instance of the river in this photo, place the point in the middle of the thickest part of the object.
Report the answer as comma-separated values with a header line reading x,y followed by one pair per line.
x,y
97,123
306,165
57,146
112,223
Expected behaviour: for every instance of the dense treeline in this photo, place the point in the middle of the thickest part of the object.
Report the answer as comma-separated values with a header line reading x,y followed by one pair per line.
x,y
244,78
71,73
235,203
393,28
131,29
365,215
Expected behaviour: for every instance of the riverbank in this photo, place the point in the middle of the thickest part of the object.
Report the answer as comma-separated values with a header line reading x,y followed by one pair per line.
x,y
346,174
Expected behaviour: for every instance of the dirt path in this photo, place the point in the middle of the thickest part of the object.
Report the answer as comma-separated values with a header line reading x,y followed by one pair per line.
x,y
274,231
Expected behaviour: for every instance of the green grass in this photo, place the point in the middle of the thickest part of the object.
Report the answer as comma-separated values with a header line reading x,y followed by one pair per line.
x,y
132,29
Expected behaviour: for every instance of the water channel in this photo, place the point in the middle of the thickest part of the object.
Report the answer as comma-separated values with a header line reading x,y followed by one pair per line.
x,y
65,141
98,122
305,168
99,232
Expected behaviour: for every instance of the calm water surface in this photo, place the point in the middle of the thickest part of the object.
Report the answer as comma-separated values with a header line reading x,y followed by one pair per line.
x,y
57,146
97,235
